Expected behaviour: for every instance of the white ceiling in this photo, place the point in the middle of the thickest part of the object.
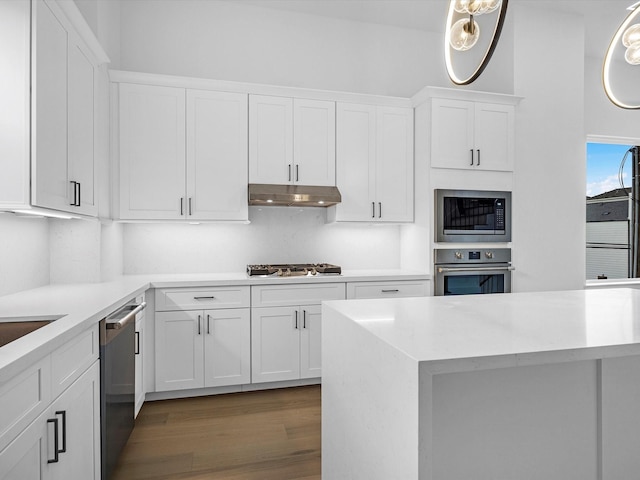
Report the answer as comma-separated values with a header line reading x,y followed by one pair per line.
x,y
602,17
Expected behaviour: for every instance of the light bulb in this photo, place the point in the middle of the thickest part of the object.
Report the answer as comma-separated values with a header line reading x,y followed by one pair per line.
x,y
632,55
461,6
491,5
631,35
464,34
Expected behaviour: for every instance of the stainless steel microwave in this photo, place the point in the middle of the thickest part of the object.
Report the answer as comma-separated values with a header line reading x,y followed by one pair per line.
x,y
472,216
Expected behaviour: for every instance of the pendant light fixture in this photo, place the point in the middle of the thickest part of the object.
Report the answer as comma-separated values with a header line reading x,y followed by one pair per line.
x,y
621,66
471,35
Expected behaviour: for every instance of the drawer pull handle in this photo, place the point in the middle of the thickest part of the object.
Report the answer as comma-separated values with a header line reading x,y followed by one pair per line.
x,y
204,298
394,290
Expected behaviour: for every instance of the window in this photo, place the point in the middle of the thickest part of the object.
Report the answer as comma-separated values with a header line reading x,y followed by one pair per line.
x,y
610,234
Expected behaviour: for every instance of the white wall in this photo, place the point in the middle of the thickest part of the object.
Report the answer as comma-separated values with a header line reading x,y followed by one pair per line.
x,y
550,177
275,235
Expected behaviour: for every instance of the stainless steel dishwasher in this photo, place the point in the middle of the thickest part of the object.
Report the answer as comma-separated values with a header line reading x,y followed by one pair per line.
x,y
117,383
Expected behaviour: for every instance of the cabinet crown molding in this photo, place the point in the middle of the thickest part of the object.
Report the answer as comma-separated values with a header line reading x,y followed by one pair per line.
x,y
121,76
429,92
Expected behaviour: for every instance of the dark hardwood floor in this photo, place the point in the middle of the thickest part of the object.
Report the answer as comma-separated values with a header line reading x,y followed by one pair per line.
x,y
266,435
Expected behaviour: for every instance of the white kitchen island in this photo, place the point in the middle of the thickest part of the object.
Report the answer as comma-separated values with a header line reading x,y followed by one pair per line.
x,y
525,386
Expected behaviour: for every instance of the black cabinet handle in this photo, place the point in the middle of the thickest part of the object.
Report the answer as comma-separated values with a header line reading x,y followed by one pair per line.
x,y
304,319
395,290
289,172
199,326
64,430
181,206
296,319
56,451
379,209
478,157
137,352
190,209
204,298
297,178
76,194
208,324
79,194
471,156
373,209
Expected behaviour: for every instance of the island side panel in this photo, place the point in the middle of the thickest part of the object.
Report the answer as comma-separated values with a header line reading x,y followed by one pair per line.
x,y
369,404
620,418
528,423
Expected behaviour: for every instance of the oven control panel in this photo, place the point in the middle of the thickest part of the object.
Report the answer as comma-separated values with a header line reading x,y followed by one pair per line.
x,y
481,255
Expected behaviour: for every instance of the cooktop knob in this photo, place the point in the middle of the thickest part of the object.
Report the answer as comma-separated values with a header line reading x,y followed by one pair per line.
x,y
488,254
458,255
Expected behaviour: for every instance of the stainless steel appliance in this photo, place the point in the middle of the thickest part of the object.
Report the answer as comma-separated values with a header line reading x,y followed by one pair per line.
x,y
293,195
472,271
117,383
472,216
294,269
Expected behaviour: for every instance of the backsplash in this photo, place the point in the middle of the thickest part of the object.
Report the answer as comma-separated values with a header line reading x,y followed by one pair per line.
x,y
275,235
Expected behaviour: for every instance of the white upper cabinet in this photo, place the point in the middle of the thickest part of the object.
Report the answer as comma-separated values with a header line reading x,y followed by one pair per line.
x,y
50,110
152,152
55,80
217,150
183,154
375,163
291,141
472,135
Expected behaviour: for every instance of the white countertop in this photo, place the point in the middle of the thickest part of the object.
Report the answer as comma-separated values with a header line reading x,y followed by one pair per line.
x,y
81,305
484,331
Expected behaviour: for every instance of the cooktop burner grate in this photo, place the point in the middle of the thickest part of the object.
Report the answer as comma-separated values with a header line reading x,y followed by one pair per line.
x,y
294,269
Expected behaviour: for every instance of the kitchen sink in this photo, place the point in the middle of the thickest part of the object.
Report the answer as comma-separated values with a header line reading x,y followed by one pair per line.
x,y
12,328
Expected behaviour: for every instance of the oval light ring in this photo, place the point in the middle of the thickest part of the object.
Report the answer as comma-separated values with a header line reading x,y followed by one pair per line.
x,y
606,67
486,57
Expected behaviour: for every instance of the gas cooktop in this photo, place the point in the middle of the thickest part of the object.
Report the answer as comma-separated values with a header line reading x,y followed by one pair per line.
x,y
294,269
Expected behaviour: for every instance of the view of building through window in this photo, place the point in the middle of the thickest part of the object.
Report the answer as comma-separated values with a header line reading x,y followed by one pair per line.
x,y
609,210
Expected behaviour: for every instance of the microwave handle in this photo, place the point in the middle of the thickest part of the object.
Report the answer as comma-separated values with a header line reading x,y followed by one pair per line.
x,y
476,269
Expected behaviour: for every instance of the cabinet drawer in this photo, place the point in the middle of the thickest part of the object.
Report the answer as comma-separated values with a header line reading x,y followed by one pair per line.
x,y
23,398
283,295
418,288
72,359
203,298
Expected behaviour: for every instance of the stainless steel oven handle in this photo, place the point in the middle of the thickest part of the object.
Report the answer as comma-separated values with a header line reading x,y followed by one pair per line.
x,y
482,268
127,318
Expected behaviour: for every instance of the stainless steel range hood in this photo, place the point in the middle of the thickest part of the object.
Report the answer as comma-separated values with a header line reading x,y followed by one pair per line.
x,y
293,195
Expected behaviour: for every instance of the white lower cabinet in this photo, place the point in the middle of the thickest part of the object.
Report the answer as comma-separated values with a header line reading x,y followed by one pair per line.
x,y
139,362
286,339
285,343
203,348
64,441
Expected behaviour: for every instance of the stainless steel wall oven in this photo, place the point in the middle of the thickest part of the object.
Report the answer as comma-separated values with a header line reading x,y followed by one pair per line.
x,y
472,216
472,271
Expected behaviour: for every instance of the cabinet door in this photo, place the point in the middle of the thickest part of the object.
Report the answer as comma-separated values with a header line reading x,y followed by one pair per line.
x,y
227,347
179,350
139,349
49,107
81,114
217,168
270,139
78,411
355,161
152,152
310,336
494,136
314,142
26,457
275,344
394,164
452,124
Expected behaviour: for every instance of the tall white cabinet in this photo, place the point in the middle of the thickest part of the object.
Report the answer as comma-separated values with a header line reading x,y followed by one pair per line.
x,y
291,141
49,150
182,152
375,163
